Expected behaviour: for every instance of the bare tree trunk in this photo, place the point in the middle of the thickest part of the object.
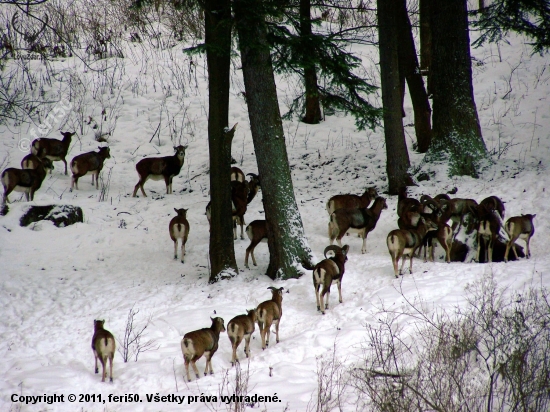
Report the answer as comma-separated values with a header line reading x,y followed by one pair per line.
x,y
426,41
408,63
286,240
456,130
396,147
313,108
217,15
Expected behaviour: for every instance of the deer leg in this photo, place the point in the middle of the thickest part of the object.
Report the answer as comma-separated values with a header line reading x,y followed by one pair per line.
x,y
316,286
111,367
175,248
64,161
194,365
182,250
339,284
103,362
247,345
96,368
402,264
277,330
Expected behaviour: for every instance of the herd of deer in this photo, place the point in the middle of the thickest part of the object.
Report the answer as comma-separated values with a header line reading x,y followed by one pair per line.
x,y
420,223
205,341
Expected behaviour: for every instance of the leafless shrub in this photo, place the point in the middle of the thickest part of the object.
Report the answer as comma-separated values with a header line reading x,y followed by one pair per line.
x,y
232,392
132,343
492,355
332,384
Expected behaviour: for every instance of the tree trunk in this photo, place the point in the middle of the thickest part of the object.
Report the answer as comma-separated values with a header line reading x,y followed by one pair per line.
x,y
217,16
396,148
286,241
313,108
456,131
426,41
408,63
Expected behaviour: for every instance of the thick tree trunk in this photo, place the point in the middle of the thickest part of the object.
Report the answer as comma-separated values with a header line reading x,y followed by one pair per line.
x,y
396,148
426,41
218,42
313,108
408,63
286,241
456,131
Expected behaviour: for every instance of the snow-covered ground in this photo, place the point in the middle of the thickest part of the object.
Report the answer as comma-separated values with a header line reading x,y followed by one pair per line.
x,y
55,281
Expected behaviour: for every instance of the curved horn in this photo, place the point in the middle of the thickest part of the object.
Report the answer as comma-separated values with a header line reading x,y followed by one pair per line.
x,y
272,288
427,200
335,248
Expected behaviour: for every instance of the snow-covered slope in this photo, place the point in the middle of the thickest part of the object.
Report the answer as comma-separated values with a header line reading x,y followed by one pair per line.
x,y
55,281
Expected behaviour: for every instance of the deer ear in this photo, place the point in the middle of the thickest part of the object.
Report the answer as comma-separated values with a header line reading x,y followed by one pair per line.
x,y
175,210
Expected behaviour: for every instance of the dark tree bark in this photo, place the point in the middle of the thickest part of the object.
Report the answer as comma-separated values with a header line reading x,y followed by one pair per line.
x,y
286,241
408,66
313,108
396,148
426,41
217,16
456,131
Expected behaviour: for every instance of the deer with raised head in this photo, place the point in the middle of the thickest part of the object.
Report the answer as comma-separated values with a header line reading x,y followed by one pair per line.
x,y
103,345
53,149
351,201
403,243
201,342
329,270
27,181
239,328
158,168
90,163
521,227
361,220
269,313
179,229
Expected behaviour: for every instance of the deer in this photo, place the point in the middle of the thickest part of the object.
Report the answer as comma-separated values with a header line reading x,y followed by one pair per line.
x,y
363,220
268,313
487,231
455,210
237,174
493,204
179,229
405,203
521,227
27,181
239,196
32,161
201,342
241,326
158,168
405,242
103,346
256,232
444,233
253,187
90,163
53,149
351,201
327,271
